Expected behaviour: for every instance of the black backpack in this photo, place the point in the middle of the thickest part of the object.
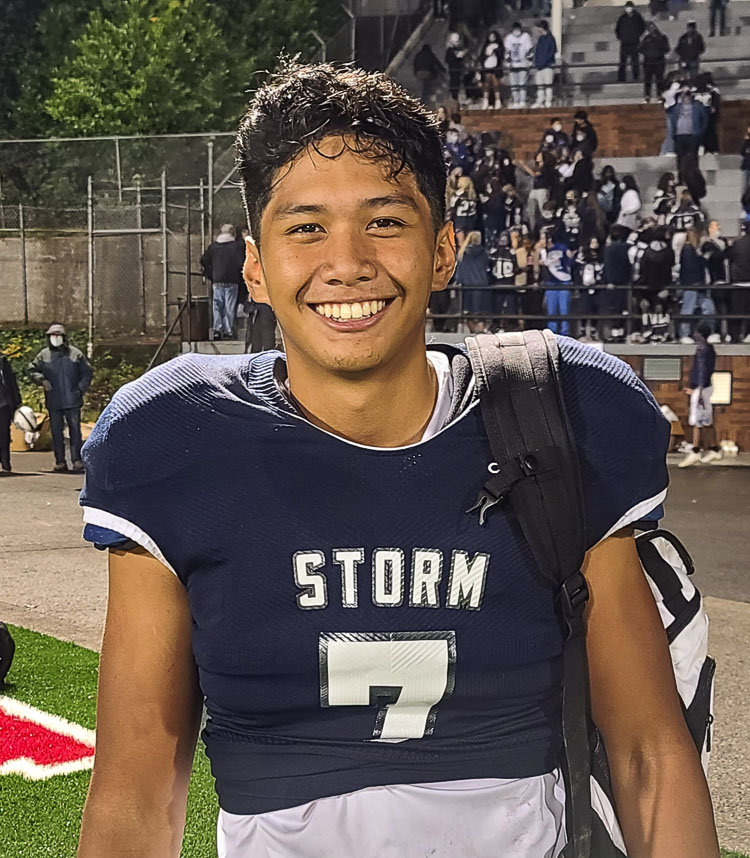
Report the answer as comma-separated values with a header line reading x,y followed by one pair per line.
x,y
7,649
536,472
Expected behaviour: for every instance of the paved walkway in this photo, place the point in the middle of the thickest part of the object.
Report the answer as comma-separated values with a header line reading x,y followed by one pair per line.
x,y
53,583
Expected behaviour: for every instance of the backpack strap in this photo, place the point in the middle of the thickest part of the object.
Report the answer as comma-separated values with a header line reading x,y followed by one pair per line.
x,y
535,468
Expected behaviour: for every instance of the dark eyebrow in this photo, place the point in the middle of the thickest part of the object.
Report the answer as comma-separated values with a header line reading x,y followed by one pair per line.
x,y
403,200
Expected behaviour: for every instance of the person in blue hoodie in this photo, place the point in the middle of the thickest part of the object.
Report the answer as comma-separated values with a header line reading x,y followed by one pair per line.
x,y
558,266
545,51
693,277
473,270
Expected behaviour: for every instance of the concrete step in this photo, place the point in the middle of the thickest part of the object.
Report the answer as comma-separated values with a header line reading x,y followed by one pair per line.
x,y
606,49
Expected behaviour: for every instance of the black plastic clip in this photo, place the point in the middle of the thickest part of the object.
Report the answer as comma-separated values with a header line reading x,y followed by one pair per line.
x,y
574,594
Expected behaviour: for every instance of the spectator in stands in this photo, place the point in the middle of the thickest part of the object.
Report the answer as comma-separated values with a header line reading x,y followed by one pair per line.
x,y
544,180
512,209
557,273
243,298
464,209
688,120
630,203
689,48
629,29
665,198
427,70
656,266
583,136
503,270
693,179
492,70
609,194
692,278
493,209
532,300
545,51
745,162
455,152
554,138
439,9
686,215
518,48
571,219
593,220
550,223
745,203
669,95
588,273
738,254
441,117
718,7
220,262
709,96
714,250
455,55
617,271
473,270
581,179
456,124
654,48
10,400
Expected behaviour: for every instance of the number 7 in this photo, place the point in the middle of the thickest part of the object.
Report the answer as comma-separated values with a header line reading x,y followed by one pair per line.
x,y
404,674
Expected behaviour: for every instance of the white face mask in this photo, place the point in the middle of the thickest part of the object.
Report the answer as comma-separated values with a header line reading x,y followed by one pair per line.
x,y
56,340
516,32
557,127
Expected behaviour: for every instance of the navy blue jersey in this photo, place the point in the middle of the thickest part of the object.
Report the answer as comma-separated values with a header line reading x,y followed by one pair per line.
x,y
358,628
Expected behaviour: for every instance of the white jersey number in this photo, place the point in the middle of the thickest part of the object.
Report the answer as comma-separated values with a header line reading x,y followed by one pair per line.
x,y
403,674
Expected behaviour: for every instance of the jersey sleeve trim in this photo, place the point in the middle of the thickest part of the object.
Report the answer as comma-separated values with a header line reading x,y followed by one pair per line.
x,y
637,512
99,517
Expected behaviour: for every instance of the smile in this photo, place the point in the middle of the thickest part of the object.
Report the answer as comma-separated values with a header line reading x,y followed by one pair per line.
x,y
343,312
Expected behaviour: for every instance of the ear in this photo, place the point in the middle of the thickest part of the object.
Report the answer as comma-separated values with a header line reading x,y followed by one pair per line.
x,y
444,262
252,272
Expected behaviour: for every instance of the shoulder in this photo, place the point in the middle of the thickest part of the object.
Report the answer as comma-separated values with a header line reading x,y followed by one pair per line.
x,y
155,425
75,353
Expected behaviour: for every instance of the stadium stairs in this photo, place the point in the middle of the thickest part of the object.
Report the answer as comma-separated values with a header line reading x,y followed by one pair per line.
x,y
590,38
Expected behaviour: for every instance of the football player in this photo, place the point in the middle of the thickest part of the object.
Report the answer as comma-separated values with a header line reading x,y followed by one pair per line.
x,y
381,675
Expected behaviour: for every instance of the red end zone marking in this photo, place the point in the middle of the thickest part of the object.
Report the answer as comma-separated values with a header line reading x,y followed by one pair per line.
x,y
38,745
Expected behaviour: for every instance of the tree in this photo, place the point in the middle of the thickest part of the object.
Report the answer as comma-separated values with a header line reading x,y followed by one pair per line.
x,y
151,66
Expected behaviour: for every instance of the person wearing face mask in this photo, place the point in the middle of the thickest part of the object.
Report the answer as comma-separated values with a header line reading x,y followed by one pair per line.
x,y
583,136
654,48
608,194
518,47
492,70
588,273
629,29
545,52
65,374
554,138
714,251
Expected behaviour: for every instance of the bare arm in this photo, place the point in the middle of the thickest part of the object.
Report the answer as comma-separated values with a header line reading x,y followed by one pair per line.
x,y
148,713
662,798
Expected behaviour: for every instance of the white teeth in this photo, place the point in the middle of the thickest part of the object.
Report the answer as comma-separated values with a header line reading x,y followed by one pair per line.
x,y
352,310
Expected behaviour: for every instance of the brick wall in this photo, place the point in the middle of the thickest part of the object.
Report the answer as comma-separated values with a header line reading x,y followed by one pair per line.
x,y
625,130
731,421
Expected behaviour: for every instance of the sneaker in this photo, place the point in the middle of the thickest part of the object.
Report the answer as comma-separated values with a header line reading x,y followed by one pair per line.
x,y
687,341
60,468
77,466
714,339
692,458
746,339
727,339
711,456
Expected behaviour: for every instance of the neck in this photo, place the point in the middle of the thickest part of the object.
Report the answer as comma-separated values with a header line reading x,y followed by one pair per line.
x,y
387,407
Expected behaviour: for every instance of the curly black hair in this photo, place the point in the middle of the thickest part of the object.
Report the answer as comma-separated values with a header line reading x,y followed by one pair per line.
x,y
300,105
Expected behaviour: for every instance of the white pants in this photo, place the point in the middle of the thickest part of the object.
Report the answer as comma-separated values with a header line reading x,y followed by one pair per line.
x,y
544,79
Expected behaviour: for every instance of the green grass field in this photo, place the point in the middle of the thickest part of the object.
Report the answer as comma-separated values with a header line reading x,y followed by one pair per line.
x,y
41,819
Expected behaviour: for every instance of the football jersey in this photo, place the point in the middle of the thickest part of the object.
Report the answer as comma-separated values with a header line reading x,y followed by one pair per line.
x,y
360,634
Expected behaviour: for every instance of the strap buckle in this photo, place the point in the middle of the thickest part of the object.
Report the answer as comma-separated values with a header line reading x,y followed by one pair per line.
x,y
484,503
574,594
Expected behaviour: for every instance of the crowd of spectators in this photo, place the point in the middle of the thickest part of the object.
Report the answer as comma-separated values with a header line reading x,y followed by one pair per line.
x,y
558,238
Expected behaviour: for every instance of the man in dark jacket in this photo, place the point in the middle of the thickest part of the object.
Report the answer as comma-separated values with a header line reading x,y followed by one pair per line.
x,y
545,51
654,49
221,260
427,68
617,271
689,49
738,255
583,135
629,29
10,399
65,374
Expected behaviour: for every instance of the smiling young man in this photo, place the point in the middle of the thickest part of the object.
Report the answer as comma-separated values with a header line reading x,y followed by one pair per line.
x,y
381,675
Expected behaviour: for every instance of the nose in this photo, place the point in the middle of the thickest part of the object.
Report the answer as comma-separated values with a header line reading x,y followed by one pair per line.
x,y
348,258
